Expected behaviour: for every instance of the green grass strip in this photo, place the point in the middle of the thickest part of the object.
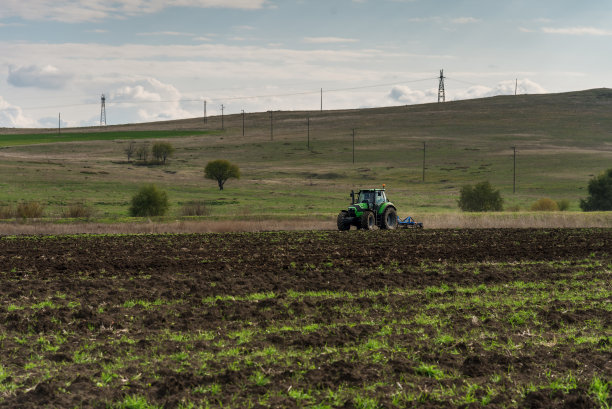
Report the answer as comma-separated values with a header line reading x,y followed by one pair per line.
x,y
30,139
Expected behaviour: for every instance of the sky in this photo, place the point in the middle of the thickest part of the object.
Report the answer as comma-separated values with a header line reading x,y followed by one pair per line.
x,y
166,59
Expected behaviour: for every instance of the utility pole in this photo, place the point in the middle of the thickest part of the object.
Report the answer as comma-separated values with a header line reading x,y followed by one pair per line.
x,y
59,123
271,126
308,127
353,145
515,86
321,99
424,147
441,93
205,119
243,122
514,171
222,119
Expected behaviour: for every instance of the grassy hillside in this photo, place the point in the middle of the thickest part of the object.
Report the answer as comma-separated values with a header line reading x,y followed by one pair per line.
x,y
562,140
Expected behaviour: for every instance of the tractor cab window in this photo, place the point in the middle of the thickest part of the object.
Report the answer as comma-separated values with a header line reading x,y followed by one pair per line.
x,y
366,197
380,197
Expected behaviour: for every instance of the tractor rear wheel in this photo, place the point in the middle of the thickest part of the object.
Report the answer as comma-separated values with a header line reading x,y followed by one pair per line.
x,y
368,220
342,222
389,219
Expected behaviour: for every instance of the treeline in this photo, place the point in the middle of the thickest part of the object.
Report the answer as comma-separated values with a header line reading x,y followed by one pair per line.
x,y
483,197
160,151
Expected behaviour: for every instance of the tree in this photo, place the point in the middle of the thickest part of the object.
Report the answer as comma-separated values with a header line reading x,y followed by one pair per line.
x,y
130,150
149,201
161,151
221,170
480,198
600,193
143,153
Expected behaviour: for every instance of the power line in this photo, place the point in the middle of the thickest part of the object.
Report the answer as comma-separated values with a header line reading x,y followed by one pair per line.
x,y
441,92
464,81
289,94
381,85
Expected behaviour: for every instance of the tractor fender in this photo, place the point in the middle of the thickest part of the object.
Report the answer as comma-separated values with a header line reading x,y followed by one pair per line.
x,y
384,206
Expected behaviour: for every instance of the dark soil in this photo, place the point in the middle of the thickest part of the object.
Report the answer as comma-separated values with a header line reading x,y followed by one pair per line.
x,y
90,321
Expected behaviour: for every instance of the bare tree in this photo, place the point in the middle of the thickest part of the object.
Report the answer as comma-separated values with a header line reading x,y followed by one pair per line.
x,y
143,153
130,150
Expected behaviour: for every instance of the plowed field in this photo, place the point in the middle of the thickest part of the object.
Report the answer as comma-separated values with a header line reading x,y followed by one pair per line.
x,y
433,318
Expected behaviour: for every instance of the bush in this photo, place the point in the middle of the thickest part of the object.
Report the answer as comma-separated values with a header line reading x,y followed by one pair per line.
x,y
480,198
161,151
7,212
149,201
24,210
563,205
195,209
29,210
544,205
78,210
600,193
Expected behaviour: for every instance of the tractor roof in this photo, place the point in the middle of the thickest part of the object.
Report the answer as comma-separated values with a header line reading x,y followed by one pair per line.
x,y
371,190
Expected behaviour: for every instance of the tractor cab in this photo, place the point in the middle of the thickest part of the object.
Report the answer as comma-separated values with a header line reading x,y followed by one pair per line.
x,y
372,197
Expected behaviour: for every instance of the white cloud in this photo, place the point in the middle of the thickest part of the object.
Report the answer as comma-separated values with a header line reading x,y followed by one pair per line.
x,y
53,122
12,116
166,33
140,56
328,40
592,31
202,38
94,10
406,95
140,74
143,100
465,20
46,77
524,86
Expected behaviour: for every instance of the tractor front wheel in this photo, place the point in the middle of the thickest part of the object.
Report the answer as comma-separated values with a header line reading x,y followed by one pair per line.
x,y
368,220
342,222
389,219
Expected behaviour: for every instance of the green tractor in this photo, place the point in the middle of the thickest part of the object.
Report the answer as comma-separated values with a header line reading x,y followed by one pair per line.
x,y
372,208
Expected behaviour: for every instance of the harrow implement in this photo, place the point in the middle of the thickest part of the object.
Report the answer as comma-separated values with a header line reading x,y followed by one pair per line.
x,y
409,223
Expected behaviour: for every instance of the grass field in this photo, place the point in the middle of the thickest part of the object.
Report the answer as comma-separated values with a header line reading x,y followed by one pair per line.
x,y
303,167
